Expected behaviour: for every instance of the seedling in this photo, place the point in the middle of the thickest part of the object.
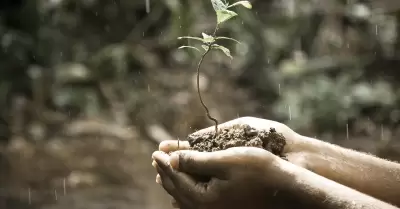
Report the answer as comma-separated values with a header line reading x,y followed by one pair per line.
x,y
209,42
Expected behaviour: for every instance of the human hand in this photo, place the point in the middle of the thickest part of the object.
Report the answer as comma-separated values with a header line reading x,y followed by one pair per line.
x,y
294,141
240,177
295,151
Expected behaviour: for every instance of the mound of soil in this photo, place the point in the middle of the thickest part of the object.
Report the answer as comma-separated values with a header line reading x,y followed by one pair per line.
x,y
238,136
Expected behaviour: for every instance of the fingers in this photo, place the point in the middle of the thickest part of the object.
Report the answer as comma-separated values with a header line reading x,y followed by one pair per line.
x,y
213,164
175,145
158,179
165,181
163,164
172,146
174,203
180,185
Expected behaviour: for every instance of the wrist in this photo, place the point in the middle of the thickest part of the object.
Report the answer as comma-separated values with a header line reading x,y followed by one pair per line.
x,y
279,184
316,191
292,185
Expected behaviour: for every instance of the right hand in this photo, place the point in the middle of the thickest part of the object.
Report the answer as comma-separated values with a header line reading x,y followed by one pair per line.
x,y
239,177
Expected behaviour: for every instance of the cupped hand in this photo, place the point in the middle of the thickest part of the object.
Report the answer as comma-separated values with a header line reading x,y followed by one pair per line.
x,y
240,177
296,150
294,141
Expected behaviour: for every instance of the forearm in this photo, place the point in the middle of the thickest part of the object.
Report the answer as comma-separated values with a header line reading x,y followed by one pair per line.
x,y
319,192
365,173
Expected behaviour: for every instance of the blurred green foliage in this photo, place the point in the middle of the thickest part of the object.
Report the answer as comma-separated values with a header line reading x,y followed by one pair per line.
x,y
313,65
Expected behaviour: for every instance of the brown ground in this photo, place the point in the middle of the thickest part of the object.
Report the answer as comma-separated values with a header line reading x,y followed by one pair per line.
x,y
237,136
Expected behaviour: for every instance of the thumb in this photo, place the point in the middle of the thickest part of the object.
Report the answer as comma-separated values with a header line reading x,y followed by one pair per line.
x,y
214,164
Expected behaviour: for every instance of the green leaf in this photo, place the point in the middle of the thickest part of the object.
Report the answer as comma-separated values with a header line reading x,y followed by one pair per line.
x,y
207,38
190,47
205,47
227,38
224,15
225,50
191,37
219,5
243,3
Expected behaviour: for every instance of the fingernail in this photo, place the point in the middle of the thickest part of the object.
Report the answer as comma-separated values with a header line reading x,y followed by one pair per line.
x,y
152,155
161,159
158,179
154,164
174,160
155,154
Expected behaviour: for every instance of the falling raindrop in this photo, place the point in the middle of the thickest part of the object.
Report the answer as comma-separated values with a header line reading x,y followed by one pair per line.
x,y
29,196
64,186
290,113
382,133
376,29
279,89
148,6
347,131
55,194
148,88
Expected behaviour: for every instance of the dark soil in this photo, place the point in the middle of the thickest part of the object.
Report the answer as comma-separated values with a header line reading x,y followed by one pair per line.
x,y
238,136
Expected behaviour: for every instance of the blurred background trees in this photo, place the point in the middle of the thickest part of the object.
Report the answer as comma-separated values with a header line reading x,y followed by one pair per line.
x,y
89,87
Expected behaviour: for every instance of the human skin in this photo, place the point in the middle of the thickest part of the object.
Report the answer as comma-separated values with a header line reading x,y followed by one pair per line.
x,y
365,173
248,177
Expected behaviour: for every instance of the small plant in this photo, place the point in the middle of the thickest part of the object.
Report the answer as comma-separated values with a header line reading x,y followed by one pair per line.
x,y
221,8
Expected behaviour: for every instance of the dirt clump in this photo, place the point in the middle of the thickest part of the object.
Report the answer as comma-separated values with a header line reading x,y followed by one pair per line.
x,y
238,136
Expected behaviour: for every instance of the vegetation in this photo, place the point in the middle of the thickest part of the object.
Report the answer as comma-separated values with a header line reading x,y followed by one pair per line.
x,y
209,42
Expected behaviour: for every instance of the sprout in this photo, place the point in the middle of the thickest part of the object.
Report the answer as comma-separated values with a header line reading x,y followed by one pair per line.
x,y
208,42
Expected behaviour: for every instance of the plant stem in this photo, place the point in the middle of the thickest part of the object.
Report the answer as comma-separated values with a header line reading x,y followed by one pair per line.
x,y
199,93
209,45
198,83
